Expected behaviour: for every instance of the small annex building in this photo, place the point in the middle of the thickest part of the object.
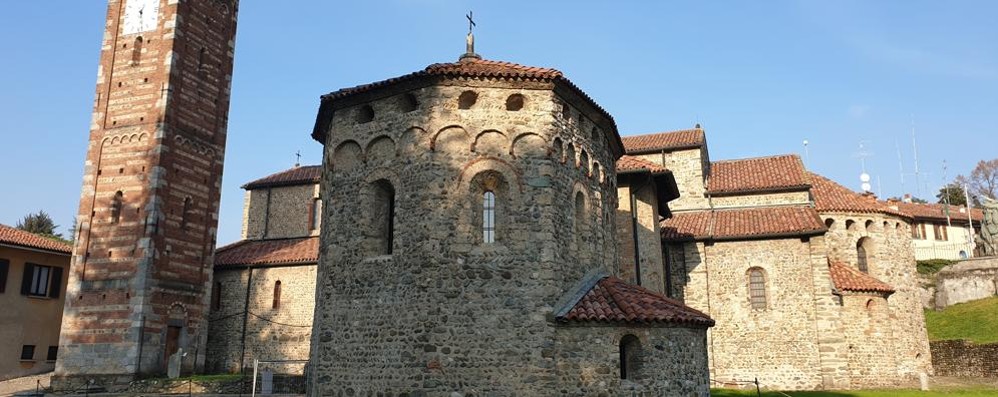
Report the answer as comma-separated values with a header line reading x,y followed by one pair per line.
x,y
32,292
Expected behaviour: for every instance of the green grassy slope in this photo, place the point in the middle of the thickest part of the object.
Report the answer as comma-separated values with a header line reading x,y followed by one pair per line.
x,y
858,393
977,321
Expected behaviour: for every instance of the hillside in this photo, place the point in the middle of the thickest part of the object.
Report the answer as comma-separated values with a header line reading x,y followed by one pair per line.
x,y
976,321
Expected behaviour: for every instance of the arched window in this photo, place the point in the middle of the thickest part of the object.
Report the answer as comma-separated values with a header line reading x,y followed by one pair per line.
x,y
137,51
514,102
365,114
185,216
116,204
383,219
850,225
630,357
869,226
863,250
829,223
757,288
201,59
277,294
489,217
315,215
467,100
580,214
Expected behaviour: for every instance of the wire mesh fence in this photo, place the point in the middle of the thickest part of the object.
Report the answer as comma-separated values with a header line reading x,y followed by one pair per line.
x,y
279,377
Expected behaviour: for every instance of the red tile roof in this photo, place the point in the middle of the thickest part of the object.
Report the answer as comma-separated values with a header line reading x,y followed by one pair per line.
x,y
14,236
742,223
937,212
628,164
303,175
830,196
847,278
611,300
672,140
763,174
269,252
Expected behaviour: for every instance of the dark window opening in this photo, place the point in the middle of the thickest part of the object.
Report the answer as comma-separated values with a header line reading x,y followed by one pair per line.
x,y
829,223
467,100
136,52
216,296
630,357
4,268
41,280
277,294
863,247
365,114
409,103
28,352
757,289
384,217
116,204
53,353
315,215
514,102
185,216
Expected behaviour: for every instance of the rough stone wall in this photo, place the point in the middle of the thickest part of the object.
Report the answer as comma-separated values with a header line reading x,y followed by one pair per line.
x,y
271,334
688,166
281,211
779,344
866,327
891,261
649,238
965,281
444,312
764,199
672,361
965,359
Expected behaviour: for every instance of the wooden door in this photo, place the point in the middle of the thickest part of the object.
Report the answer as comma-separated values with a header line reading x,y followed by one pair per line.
x,y
172,344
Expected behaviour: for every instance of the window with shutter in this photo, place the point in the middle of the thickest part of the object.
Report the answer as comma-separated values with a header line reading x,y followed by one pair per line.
x,y
38,280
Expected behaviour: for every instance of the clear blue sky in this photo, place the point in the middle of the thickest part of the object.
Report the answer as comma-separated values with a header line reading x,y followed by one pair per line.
x,y
760,76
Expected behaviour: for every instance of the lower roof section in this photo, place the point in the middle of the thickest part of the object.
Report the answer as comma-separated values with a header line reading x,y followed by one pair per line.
x,y
604,299
847,278
743,224
289,251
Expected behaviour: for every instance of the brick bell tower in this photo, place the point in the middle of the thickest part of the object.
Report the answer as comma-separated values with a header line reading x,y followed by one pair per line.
x,y
140,276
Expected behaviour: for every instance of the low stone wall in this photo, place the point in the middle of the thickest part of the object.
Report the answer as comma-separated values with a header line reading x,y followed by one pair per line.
x,y
110,384
964,358
966,281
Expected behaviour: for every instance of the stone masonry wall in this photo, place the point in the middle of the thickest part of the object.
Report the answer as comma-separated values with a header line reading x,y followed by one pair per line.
x,y
672,361
750,200
442,311
688,167
891,261
280,212
965,359
965,281
649,237
281,333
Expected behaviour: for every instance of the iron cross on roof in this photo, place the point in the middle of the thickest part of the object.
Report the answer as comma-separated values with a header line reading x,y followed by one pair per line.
x,y
471,21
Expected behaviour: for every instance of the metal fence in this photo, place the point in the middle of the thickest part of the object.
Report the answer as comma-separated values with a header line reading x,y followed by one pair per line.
x,y
279,377
950,251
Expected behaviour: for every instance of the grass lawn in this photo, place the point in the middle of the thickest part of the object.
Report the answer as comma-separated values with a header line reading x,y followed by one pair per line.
x,y
977,321
858,393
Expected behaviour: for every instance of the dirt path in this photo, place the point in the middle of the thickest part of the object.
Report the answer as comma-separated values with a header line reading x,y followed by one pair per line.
x,y
27,383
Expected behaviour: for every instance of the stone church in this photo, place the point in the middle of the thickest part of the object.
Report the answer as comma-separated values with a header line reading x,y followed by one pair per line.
x,y
812,285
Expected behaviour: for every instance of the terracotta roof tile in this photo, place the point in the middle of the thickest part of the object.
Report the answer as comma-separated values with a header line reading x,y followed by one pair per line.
x,y
14,236
847,278
776,173
830,196
611,300
681,139
628,164
957,213
269,252
303,175
742,223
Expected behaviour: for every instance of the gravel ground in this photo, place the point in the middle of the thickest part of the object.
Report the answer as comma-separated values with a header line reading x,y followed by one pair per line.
x,y
27,383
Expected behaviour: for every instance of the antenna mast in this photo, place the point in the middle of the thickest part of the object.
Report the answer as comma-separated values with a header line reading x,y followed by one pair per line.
x,y
914,151
900,165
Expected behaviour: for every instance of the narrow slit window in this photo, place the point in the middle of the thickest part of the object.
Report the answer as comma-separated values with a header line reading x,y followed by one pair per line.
x,y
277,294
116,204
137,51
185,216
489,217
316,215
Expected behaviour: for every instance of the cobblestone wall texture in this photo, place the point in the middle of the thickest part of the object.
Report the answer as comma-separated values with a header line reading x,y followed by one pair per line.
x,y
279,212
443,312
965,359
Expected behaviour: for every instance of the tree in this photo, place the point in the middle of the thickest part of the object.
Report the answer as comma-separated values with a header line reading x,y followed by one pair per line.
x,y
952,194
40,223
983,180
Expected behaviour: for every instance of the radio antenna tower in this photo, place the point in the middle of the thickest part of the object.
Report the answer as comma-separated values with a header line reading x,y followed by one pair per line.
x,y
914,153
900,164
864,178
